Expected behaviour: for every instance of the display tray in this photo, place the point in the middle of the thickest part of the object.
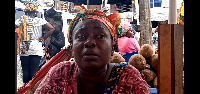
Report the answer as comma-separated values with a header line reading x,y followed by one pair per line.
x,y
153,90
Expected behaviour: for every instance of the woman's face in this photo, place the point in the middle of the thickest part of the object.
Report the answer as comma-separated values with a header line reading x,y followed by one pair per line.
x,y
130,34
91,45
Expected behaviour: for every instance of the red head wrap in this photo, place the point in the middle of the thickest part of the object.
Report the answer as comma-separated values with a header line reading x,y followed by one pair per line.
x,y
111,22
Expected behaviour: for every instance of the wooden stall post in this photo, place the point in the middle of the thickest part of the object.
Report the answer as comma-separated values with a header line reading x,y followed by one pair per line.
x,y
170,54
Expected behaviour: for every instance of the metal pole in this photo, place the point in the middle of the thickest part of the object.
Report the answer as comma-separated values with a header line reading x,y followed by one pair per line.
x,y
87,4
172,12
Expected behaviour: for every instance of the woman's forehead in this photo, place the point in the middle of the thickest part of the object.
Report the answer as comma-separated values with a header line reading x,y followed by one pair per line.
x,y
87,23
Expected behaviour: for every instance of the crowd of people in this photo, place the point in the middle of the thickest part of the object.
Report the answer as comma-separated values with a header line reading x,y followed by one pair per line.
x,y
93,40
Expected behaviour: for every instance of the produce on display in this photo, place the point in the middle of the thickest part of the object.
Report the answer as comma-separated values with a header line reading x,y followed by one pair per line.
x,y
155,82
153,61
146,54
146,51
138,61
116,58
148,75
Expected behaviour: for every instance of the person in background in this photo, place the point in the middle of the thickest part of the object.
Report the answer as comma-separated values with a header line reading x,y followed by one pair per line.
x,y
92,36
127,44
31,48
137,33
137,36
49,15
57,39
155,38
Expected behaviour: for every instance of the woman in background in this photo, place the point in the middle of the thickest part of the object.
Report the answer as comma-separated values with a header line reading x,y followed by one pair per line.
x,y
127,44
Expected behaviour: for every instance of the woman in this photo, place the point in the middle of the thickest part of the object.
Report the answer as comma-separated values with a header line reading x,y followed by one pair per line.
x,y
155,38
30,49
92,36
57,39
128,44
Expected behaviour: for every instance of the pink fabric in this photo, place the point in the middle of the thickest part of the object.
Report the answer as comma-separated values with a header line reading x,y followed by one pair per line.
x,y
126,44
62,79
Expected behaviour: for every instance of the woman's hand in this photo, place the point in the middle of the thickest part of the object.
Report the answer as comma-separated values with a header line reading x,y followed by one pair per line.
x,y
41,39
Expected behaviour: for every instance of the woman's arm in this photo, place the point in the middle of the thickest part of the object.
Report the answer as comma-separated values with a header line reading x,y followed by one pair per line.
x,y
59,41
50,30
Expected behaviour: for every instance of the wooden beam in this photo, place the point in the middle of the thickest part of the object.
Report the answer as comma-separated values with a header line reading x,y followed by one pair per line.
x,y
170,54
164,55
177,58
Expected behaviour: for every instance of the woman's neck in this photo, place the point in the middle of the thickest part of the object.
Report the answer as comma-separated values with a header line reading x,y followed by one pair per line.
x,y
91,83
92,77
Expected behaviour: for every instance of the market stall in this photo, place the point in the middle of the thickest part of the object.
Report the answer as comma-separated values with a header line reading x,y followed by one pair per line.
x,y
163,74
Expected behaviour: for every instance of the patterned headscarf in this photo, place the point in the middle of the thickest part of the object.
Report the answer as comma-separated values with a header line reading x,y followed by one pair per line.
x,y
126,26
30,6
111,22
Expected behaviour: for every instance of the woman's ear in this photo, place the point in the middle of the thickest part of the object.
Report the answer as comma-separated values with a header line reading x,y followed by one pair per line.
x,y
71,47
69,50
113,50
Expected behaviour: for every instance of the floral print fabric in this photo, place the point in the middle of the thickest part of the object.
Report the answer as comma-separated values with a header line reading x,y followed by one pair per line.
x,y
62,79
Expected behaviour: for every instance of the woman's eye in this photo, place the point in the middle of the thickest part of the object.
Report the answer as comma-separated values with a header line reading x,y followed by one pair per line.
x,y
101,36
81,36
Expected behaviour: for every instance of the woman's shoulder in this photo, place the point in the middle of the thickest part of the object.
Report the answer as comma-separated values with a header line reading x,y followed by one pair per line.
x,y
126,66
122,38
132,82
130,67
132,40
132,71
64,66
60,74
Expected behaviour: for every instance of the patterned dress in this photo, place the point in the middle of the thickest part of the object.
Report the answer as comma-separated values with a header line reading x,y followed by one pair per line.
x,y
62,79
31,46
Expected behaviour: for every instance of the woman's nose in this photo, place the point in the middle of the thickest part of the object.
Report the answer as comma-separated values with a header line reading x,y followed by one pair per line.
x,y
90,43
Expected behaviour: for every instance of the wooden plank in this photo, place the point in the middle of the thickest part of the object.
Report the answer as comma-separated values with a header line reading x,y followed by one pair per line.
x,y
164,55
177,59
170,54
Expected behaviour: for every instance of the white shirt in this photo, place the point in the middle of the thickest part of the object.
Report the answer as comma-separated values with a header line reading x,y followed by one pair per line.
x,y
137,36
34,31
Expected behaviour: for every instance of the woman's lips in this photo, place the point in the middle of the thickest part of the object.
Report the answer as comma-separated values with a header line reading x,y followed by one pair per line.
x,y
90,55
